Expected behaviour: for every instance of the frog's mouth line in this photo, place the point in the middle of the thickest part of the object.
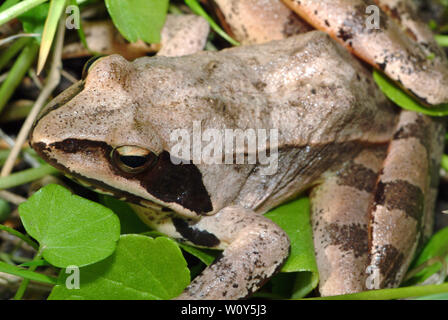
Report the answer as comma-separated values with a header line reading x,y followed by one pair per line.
x,y
97,185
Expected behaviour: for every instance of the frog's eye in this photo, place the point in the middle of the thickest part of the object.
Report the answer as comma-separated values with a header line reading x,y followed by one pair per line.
x,y
89,64
132,159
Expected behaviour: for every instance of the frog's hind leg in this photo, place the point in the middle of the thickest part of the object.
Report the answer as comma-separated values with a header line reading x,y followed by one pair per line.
x,y
339,212
398,53
370,216
403,208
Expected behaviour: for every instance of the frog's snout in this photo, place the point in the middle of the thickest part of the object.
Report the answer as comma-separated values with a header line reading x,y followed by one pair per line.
x,y
61,99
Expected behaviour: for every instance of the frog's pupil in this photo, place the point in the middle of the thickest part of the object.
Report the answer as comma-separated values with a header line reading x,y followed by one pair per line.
x,y
133,161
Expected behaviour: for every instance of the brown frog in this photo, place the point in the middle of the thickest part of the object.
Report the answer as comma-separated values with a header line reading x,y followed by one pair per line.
x,y
371,169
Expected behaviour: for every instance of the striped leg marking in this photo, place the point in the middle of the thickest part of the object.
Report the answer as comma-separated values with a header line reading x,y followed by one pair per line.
x,y
404,198
339,211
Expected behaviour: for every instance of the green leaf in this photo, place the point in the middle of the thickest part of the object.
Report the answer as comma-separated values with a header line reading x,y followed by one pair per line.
x,y
35,263
140,269
399,97
442,40
70,230
138,19
438,296
207,256
294,219
437,246
33,20
26,274
8,4
390,294
129,221
196,8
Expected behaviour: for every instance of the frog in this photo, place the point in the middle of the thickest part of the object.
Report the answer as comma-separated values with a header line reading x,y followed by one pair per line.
x,y
367,166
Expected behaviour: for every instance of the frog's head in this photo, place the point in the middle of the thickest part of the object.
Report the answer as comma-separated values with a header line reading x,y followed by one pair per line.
x,y
96,133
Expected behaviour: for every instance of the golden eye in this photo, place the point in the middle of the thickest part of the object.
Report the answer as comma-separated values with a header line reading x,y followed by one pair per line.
x,y
132,159
89,64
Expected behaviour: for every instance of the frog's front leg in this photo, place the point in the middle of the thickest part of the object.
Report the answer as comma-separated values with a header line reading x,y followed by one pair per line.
x,y
255,248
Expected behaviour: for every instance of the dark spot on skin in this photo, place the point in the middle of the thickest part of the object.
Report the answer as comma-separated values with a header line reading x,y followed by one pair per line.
x,y
358,176
211,67
352,237
393,12
327,23
260,85
198,237
295,25
313,91
400,195
411,34
417,129
344,34
181,184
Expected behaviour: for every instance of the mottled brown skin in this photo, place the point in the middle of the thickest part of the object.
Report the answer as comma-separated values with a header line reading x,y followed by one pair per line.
x,y
324,104
373,176
401,196
340,218
400,47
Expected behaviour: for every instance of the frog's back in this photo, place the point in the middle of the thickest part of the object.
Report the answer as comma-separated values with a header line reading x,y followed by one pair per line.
x,y
321,100
308,87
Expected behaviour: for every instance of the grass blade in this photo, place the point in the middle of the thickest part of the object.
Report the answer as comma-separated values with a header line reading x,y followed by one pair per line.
x,y
17,72
196,8
51,24
18,9
389,294
26,274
